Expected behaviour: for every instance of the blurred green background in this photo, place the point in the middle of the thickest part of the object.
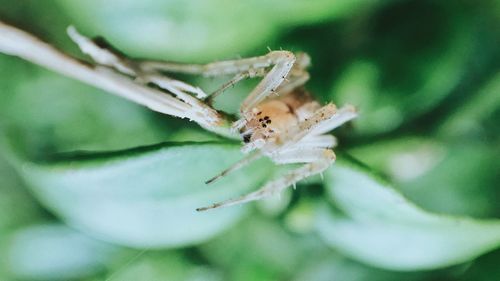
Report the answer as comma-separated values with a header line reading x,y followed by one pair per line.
x,y
93,187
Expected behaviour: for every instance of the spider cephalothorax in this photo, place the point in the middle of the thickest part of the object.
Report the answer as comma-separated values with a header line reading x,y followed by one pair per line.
x,y
268,120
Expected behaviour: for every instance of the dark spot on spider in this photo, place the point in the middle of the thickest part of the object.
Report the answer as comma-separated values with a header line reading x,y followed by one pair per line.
x,y
264,125
268,121
259,113
266,118
260,120
246,138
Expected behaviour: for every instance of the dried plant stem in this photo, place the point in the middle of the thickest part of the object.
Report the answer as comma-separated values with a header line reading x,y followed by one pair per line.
x,y
16,42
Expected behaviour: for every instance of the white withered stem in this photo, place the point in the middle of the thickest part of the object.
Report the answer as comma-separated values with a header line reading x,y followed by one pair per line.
x,y
16,42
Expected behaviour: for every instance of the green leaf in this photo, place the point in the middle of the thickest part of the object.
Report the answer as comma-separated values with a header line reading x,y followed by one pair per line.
x,y
147,196
382,228
162,266
471,117
55,252
484,269
465,171
180,30
323,267
58,111
14,196
405,68
265,250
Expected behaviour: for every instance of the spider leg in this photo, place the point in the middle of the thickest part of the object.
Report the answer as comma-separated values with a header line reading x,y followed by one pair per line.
x,y
281,62
237,78
343,115
16,42
323,120
297,76
104,54
218,68
310,142
238,165
323,141
179,89
317,161
292,82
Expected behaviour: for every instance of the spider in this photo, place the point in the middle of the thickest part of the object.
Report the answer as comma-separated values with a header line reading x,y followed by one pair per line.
x,y
278,119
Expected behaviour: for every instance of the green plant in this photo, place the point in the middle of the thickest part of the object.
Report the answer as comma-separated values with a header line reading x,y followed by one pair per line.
x,y
118,184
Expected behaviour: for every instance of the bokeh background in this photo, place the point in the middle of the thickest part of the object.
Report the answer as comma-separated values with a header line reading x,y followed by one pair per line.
x,y
93,187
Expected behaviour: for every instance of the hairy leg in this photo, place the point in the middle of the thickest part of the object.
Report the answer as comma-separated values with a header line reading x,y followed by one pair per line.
x,y
323,120
343,115
296,77
218,68
236,166
281,62
319,160
313,141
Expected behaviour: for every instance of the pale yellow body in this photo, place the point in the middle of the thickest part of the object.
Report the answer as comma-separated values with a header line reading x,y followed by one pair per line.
x,y
272,118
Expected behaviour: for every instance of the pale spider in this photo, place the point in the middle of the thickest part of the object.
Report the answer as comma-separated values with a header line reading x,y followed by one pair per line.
x,y
278,119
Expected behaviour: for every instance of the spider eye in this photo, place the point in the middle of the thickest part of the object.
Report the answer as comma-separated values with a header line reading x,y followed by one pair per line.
x,y
246,138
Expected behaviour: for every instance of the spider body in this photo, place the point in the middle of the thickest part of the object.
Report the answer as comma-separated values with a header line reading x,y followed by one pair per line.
x,y
280,120
270,119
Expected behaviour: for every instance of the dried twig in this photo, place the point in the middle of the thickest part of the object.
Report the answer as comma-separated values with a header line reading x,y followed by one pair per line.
x,y
121,82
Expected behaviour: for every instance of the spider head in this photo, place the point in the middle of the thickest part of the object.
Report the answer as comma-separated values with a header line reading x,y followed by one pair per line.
x,y
265,123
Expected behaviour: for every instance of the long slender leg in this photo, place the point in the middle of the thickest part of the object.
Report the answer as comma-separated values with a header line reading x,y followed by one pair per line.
x,y
105,54
219,68
283,62
314,146
238,165
343,115
237,78
296,77
292,82
176,87
323,120
299,154
321,162
314,141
